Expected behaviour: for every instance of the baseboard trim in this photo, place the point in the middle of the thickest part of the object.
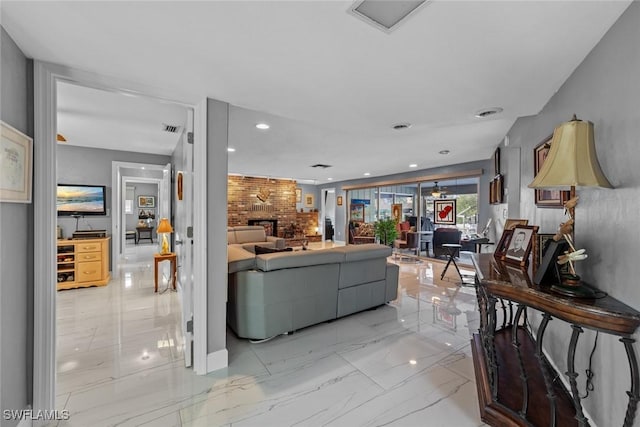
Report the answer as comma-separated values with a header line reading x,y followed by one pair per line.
x,y
25,422
217,360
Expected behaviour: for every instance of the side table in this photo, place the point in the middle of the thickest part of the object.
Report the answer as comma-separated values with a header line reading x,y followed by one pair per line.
x,y
158,258
451,249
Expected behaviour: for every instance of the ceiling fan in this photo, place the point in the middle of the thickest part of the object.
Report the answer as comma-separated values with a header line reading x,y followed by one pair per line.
x,y
437,191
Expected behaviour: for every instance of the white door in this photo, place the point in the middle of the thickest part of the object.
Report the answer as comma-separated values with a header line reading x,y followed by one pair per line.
x,y
184,237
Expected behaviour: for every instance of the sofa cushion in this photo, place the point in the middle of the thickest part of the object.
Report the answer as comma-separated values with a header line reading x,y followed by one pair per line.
x,y
259,250
281,260
239,259
250,234
231,236
362,252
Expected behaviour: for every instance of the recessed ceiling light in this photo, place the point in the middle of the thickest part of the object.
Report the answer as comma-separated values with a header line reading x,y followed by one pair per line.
x,y
329,179
444,152
413,165
367,173
488,112
413,362
230,149
401,126
262,126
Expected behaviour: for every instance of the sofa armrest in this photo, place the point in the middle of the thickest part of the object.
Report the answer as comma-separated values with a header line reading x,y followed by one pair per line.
x,y
279,241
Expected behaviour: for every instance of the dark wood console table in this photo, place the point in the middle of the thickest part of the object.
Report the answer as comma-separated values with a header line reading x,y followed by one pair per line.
x,y
516,384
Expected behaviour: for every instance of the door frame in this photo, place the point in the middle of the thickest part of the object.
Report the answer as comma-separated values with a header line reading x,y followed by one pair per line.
x,y
46,77
118,184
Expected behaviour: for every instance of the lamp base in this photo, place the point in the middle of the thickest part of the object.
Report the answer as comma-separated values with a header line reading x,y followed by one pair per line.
x,y
165,245
573,290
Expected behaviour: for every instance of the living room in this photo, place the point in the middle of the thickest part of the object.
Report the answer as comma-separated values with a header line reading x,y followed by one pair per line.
x,y
602,90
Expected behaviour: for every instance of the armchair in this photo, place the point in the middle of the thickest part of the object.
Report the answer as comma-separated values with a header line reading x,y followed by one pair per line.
x,y
407,240
444,235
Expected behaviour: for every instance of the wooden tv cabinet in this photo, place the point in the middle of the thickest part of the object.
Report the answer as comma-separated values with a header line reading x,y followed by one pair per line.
x,y
83,263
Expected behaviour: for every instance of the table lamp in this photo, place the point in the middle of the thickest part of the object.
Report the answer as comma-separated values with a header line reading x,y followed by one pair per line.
x,y
164,228
571,162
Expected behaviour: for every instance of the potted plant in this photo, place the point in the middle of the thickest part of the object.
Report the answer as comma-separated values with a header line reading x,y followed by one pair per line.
x,y
386,231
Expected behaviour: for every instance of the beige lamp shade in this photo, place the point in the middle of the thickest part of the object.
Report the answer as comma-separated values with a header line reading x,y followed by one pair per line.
x,y
164,226
572,159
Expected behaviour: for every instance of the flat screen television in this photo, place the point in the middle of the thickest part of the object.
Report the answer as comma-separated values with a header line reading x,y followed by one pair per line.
x,y
81,200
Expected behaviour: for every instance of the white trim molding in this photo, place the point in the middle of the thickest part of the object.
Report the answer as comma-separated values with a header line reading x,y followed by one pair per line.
x,y
217,360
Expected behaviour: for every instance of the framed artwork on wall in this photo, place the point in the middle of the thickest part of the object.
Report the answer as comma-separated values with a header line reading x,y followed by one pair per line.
x,y
16,157
146,201
339,201
445,211
308,200
547,198
357,212
396,212
298,195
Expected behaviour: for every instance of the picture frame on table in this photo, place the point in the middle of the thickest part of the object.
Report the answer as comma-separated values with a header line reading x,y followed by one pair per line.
x,y
511,223
540,245
444,212
146,201
520,245
16,165
547,198
503,243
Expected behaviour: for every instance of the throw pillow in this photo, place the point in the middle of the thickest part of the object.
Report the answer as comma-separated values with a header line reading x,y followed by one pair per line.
x,y
259,250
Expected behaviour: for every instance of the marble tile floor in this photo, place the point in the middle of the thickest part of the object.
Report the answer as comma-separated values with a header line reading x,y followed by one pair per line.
x,y
407,363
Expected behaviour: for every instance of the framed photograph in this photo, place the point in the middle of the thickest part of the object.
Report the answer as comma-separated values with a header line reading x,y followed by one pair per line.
x,y
496,190
548,272
520,245
503,244
16,157
339,201
146,201
308,200
357,212
298,195
445,211
547,198
539,246
496,161
511,223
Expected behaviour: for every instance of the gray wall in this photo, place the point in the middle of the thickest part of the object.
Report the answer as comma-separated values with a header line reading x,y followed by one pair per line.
x,y
483,189
217,142
16,244
82,165
605,90
142,189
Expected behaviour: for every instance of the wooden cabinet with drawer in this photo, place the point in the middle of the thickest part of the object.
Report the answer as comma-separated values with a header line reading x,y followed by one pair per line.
x,y
83,263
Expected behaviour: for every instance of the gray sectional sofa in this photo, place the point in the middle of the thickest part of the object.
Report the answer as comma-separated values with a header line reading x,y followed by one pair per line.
x,y
271,294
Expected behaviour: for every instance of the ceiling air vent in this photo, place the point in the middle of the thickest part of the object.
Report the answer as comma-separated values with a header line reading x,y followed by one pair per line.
x,y
320,165
170,128
385,15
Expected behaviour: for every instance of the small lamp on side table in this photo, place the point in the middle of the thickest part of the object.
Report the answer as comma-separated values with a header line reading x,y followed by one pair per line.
x,y
164,228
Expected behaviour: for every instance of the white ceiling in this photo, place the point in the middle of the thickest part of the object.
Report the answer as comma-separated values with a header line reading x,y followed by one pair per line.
x,y
329,85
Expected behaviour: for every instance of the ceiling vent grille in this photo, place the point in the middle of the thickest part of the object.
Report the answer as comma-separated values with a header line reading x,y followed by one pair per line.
x,y
320,165
385,15
170,128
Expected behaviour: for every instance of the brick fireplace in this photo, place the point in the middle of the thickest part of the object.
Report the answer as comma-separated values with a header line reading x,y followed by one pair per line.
x,y
270,225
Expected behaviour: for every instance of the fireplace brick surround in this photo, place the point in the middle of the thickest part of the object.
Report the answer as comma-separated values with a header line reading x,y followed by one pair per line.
x,y
278,203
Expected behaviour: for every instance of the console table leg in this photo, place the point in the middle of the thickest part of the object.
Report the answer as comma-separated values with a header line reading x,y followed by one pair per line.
x,y
490,347
515,342
635,382
548,382
572,374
